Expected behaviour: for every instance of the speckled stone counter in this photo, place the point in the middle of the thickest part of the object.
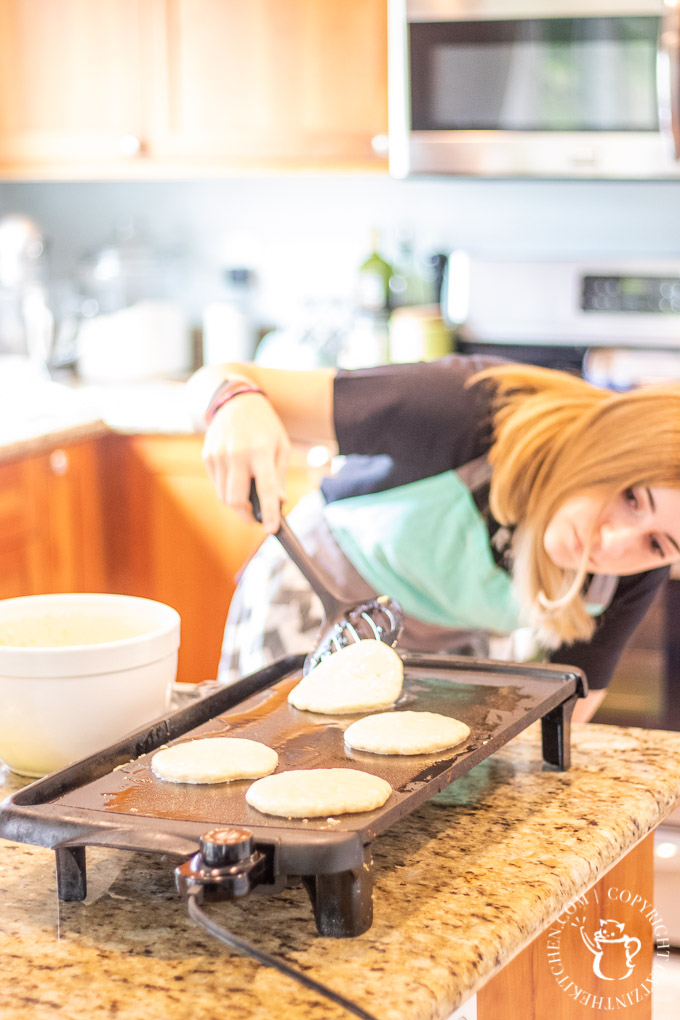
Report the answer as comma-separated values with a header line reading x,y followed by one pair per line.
x,y
460,886
50,415
24,444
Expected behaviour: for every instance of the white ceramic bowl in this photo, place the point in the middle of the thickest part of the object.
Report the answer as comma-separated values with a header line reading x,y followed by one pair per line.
x,y
78,672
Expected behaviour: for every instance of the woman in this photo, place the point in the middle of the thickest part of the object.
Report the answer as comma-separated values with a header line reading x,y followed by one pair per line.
x,y
488,498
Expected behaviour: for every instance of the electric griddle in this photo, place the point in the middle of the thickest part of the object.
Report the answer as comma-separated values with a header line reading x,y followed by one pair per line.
x,y
113,799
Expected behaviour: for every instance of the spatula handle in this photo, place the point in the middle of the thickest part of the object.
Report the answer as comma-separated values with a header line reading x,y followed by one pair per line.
x,y
333,603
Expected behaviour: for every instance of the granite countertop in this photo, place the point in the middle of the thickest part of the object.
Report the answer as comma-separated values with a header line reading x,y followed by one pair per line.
x,y
461,885
46,414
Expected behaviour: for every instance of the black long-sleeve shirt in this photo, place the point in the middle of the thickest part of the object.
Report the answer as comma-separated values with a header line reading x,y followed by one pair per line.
x,y
398,424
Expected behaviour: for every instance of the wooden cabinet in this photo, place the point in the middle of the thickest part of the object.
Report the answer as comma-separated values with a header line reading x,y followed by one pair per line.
x,y
270,82
50,523
136,515
20,560
556,976
169,538
134,88
71,83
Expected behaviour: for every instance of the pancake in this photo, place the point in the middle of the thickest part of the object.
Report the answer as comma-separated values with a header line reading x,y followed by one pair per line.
x,y
405,733
362,676
312,793
214,760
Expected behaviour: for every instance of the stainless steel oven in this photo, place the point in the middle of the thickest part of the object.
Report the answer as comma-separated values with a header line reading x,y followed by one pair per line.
x,y
534,88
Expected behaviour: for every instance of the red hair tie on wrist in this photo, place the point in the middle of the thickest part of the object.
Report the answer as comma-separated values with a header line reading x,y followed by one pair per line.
x,y
224,395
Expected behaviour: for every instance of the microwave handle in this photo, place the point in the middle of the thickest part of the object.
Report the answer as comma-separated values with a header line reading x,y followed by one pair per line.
x,y
668,77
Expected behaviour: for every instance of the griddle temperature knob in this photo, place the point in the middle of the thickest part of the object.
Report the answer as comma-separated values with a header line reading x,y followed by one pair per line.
x,y
226,866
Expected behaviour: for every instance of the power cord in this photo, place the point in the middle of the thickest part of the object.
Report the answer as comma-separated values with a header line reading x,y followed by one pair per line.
x,y
200,917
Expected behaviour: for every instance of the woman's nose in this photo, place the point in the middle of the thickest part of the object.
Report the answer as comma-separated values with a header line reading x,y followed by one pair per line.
x,y
617,539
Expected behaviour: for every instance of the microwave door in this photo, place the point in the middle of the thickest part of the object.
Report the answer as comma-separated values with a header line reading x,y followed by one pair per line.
x,y
534,96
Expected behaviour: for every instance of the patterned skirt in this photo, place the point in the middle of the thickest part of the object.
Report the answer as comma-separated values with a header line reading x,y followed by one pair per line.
x,y
275,613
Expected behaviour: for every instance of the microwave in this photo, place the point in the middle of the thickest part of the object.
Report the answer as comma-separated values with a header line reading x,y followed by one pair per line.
x,y
535,88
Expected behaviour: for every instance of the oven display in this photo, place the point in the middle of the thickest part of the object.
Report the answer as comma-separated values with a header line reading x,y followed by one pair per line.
x,y
647,295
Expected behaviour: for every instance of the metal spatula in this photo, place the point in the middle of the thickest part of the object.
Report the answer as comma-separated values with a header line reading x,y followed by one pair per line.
x,y
344,622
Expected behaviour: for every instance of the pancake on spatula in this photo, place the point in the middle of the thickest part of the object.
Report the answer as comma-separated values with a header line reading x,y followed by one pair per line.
x,y
360,677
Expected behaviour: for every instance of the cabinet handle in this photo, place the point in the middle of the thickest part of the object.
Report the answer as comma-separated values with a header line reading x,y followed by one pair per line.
x,y
59,462
130,145
380,145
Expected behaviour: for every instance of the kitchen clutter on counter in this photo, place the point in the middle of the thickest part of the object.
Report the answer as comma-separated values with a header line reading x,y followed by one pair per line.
x,y
145,341
116,319
131,328
26,321
394,315
79,671
136,309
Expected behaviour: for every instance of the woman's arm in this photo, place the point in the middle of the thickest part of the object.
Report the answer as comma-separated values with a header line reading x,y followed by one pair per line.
x,y
249,436
598,658
585,708
303,400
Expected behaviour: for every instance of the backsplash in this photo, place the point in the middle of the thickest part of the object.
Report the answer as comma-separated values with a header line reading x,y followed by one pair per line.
x,y
305,235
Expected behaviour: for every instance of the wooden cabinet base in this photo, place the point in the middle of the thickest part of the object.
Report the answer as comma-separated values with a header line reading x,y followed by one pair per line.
x,y
51,537
169,538
597,958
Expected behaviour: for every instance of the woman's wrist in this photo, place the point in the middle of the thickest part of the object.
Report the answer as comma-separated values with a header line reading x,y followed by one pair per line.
x,y
235,386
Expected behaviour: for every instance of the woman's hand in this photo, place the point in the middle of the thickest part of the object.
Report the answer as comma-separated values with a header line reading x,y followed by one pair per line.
x,y
246,440
249,435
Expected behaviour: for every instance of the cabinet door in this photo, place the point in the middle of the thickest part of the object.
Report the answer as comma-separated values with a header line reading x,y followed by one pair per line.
x,y
21,560
70,83
169,538
270,82
50,523
67,479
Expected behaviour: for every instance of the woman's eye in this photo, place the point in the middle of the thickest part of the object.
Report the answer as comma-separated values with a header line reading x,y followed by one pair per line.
x,y
656,547
631,499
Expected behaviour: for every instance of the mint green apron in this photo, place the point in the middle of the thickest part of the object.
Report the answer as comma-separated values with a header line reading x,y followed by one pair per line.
x,y
426,545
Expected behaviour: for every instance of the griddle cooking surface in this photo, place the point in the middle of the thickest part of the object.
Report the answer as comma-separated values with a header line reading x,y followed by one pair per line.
x,y
113,799
495,711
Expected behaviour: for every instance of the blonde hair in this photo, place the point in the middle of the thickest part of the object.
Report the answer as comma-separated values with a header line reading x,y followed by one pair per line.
x,y
554,436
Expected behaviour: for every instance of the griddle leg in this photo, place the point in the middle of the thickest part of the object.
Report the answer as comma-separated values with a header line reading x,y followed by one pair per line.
x,y
71,873
342,902
556,732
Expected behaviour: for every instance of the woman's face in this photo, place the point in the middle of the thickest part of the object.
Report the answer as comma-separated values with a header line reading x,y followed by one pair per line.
x,y
637,530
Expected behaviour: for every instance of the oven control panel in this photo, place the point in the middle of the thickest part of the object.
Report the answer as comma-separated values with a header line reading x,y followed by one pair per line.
x,y
591,302
649,295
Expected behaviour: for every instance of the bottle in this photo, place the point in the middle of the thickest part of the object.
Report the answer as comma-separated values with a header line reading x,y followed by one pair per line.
x,y
373,281
434,273
418,333
367,342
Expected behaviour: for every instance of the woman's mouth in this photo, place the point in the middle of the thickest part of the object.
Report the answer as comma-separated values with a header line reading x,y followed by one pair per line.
x,y
577,544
